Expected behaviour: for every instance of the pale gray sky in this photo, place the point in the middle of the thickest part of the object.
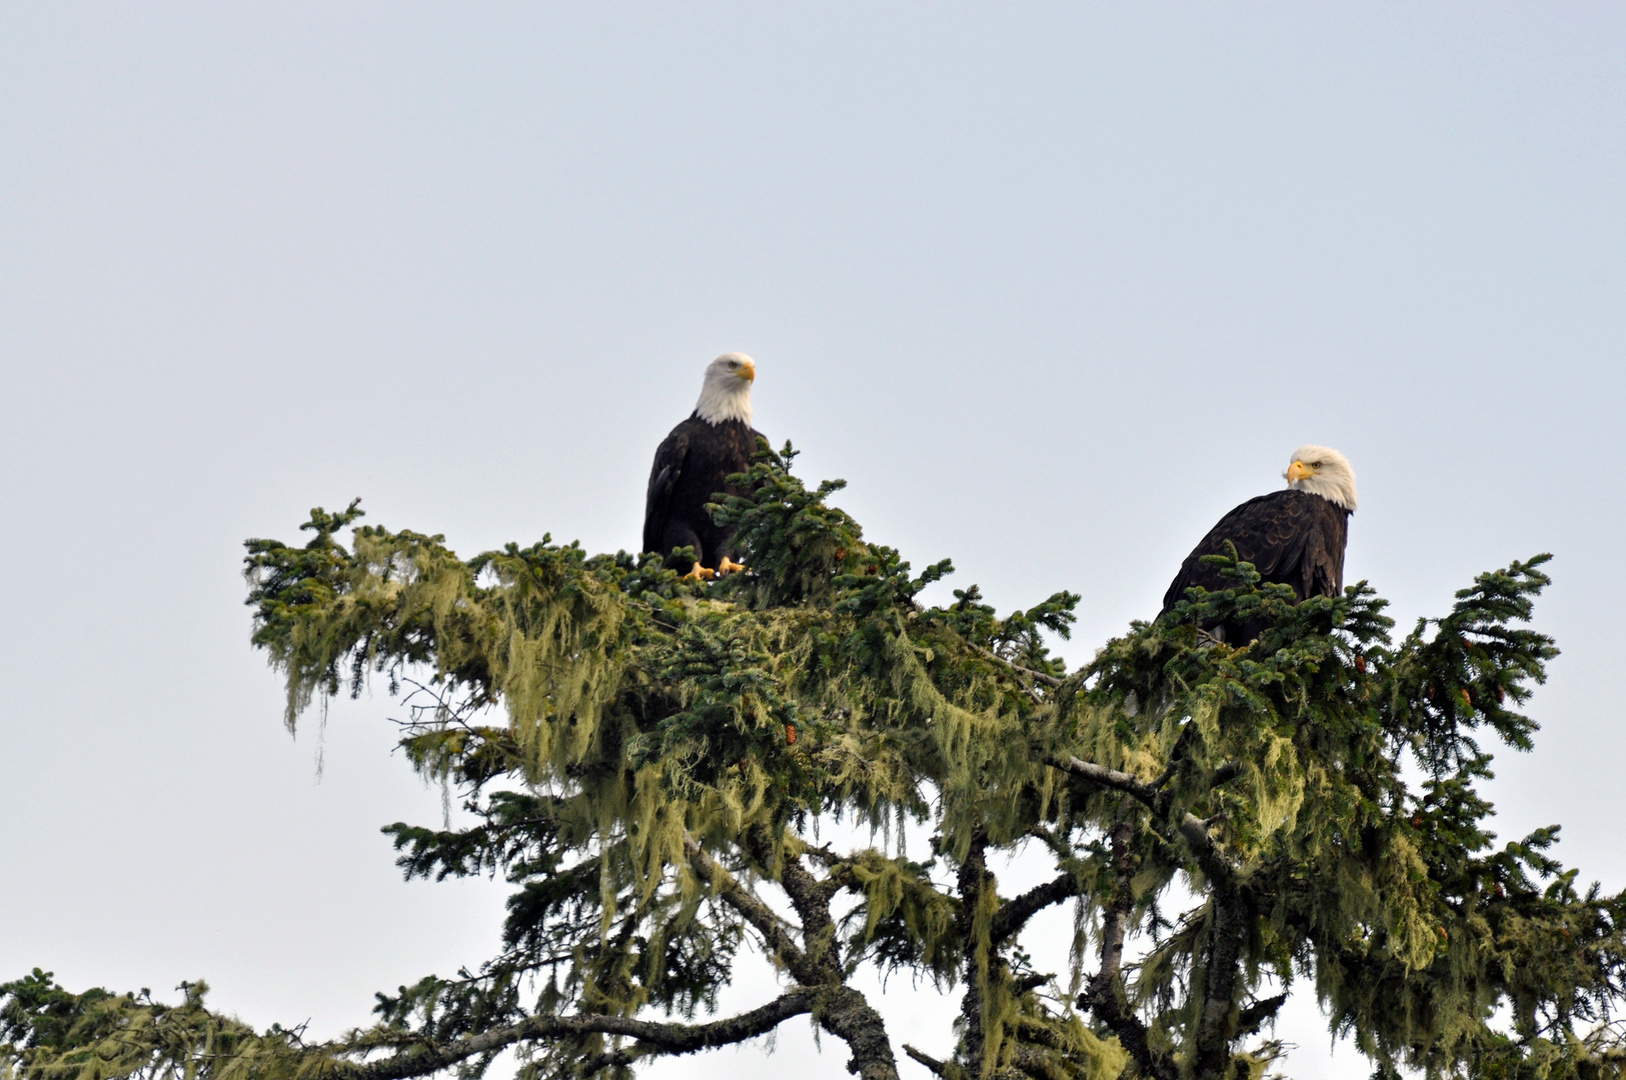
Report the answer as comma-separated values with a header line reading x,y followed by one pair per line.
x,y
1053,286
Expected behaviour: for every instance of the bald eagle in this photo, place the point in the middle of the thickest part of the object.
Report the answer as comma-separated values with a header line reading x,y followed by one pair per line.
x,y
1294,537
693,463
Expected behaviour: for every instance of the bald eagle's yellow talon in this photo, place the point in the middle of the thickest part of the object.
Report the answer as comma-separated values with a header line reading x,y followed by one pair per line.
x,y
700,573
729,566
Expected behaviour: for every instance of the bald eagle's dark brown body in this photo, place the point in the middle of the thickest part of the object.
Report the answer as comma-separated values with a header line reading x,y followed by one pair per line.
x,y
691,466
1291,537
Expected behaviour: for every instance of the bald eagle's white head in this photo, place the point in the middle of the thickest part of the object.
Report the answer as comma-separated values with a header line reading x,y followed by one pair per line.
x,y
726,393
1324,472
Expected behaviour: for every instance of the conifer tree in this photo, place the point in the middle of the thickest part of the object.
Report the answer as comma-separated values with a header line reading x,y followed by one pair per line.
x,y
646,759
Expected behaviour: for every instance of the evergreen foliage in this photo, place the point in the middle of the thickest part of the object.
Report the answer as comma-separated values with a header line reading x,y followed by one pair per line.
x,y
646,760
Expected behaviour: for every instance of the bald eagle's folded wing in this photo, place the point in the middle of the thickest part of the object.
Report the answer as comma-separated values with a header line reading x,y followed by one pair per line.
x,y
1279,533
663,478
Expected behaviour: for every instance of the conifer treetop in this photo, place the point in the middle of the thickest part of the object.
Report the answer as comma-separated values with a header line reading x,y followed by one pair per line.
x,y
646,760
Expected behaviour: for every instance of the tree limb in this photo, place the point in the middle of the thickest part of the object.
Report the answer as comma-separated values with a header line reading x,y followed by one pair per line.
x,y
1037,676
972,878
1112,778
657,1037
1115,926
846,1014
811,899
1193,828
1104,996
839,1009
927,1060
1030,981
1176,755
1215,1023
1014,914
772,928
599,1062
1255,1016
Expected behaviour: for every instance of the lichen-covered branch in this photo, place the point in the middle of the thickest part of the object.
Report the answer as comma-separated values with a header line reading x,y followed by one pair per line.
x,y
934,1064
840,1010
776,934
1014,914
1104,994
653,1038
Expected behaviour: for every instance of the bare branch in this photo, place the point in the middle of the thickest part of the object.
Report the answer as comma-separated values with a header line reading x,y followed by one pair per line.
x,y
1030,982
1116,924
594,1065
971,879
1214,1035
1195,832
841,1010
1176,755
846,1014
810,897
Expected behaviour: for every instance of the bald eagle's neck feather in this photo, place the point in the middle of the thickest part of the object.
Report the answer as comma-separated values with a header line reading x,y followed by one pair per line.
x,y
724,398
1336,489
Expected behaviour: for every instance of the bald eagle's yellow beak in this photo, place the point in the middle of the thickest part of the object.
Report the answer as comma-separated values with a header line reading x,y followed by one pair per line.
x,y
1299,471
748,373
